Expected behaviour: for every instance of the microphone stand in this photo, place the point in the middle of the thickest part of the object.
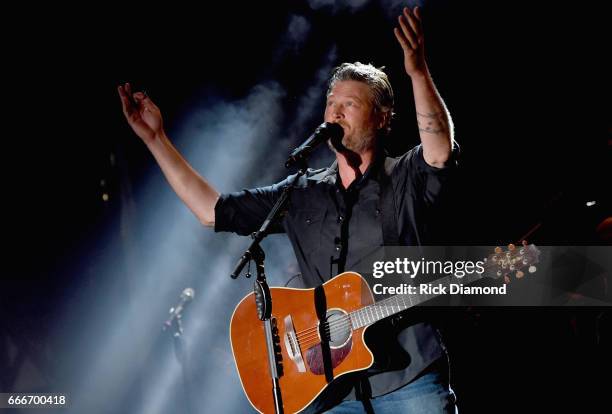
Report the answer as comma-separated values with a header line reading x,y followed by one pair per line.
x,y
263,299
181,356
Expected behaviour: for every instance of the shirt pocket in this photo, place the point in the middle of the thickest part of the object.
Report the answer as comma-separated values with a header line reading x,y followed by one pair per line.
x,y
307,225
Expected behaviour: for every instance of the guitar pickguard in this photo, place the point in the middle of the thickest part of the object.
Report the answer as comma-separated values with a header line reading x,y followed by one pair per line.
x,y
314,357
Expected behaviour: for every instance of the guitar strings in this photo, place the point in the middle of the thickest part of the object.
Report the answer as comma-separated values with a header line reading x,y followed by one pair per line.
x,y
314,339
375,310
311,335
331,327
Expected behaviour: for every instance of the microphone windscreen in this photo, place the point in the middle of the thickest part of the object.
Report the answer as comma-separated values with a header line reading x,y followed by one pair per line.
x,y
333,131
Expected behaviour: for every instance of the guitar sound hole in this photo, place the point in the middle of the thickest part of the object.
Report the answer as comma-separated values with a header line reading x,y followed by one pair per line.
x,y
337,328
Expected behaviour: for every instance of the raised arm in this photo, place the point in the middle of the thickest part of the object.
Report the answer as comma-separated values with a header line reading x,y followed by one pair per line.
x,y
144,117
434,120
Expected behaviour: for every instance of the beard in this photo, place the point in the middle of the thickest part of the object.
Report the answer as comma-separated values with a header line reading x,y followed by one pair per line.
x,y
360,143
357,142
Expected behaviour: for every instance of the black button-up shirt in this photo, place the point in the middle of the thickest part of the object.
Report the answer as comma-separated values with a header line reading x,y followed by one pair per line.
x,y
331,229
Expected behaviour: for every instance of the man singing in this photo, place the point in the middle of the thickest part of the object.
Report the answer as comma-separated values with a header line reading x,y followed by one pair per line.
x,y
338,214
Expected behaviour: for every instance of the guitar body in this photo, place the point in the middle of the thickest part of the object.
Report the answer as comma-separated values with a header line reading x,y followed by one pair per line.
x,y
316,340
307,367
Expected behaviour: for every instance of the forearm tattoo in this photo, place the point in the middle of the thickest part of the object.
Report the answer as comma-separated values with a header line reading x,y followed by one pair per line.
x,y
432,122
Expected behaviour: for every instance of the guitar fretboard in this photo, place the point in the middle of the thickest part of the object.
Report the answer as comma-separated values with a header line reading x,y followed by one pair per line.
x,y
398,303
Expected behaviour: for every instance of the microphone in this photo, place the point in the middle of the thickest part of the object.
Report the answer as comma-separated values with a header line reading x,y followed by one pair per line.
x,y
175,312
325,131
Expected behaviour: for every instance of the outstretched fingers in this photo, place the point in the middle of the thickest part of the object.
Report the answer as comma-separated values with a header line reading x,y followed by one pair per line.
x,y
413,20
417,14
410,32
402,40
409,28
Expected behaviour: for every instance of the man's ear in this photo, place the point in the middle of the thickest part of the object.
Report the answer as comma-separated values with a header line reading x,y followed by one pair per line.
x,y
383,119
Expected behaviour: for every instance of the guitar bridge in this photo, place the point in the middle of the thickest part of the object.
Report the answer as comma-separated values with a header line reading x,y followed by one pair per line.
x,y
292,345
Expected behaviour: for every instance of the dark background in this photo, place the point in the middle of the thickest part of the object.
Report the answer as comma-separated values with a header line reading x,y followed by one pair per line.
x,y
528,89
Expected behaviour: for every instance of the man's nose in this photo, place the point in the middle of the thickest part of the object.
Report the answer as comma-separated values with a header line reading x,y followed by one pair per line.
x,y
337,112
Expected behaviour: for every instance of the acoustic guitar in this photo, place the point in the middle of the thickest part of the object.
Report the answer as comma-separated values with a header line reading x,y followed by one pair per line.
x,y
319,333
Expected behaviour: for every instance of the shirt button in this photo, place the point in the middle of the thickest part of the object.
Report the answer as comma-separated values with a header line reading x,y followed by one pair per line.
x,y
308,221
338,247
377,212
340,219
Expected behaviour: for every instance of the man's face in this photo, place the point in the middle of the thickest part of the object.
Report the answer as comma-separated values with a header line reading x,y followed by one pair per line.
x,y
350,104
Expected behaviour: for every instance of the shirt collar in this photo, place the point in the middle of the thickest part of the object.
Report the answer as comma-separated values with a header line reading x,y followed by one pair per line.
x,y
330,174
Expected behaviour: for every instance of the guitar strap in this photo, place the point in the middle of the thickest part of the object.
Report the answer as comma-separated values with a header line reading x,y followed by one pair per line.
x,y
388,213
386,204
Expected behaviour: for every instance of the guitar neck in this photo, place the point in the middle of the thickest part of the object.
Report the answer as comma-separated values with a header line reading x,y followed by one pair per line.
x,y
398,303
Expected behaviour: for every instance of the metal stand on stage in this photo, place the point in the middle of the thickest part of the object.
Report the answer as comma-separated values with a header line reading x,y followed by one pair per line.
x,y
174,325
263,299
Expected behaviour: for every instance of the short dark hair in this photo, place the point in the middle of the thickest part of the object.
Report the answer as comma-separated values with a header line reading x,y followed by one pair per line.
x,y
372,76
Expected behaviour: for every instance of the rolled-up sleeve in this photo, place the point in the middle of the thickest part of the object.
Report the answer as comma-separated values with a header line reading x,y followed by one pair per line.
x,y
243,212
426,180
425,168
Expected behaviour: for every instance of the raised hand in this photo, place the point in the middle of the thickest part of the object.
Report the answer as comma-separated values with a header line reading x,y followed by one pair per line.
x,y
141,113
410,37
